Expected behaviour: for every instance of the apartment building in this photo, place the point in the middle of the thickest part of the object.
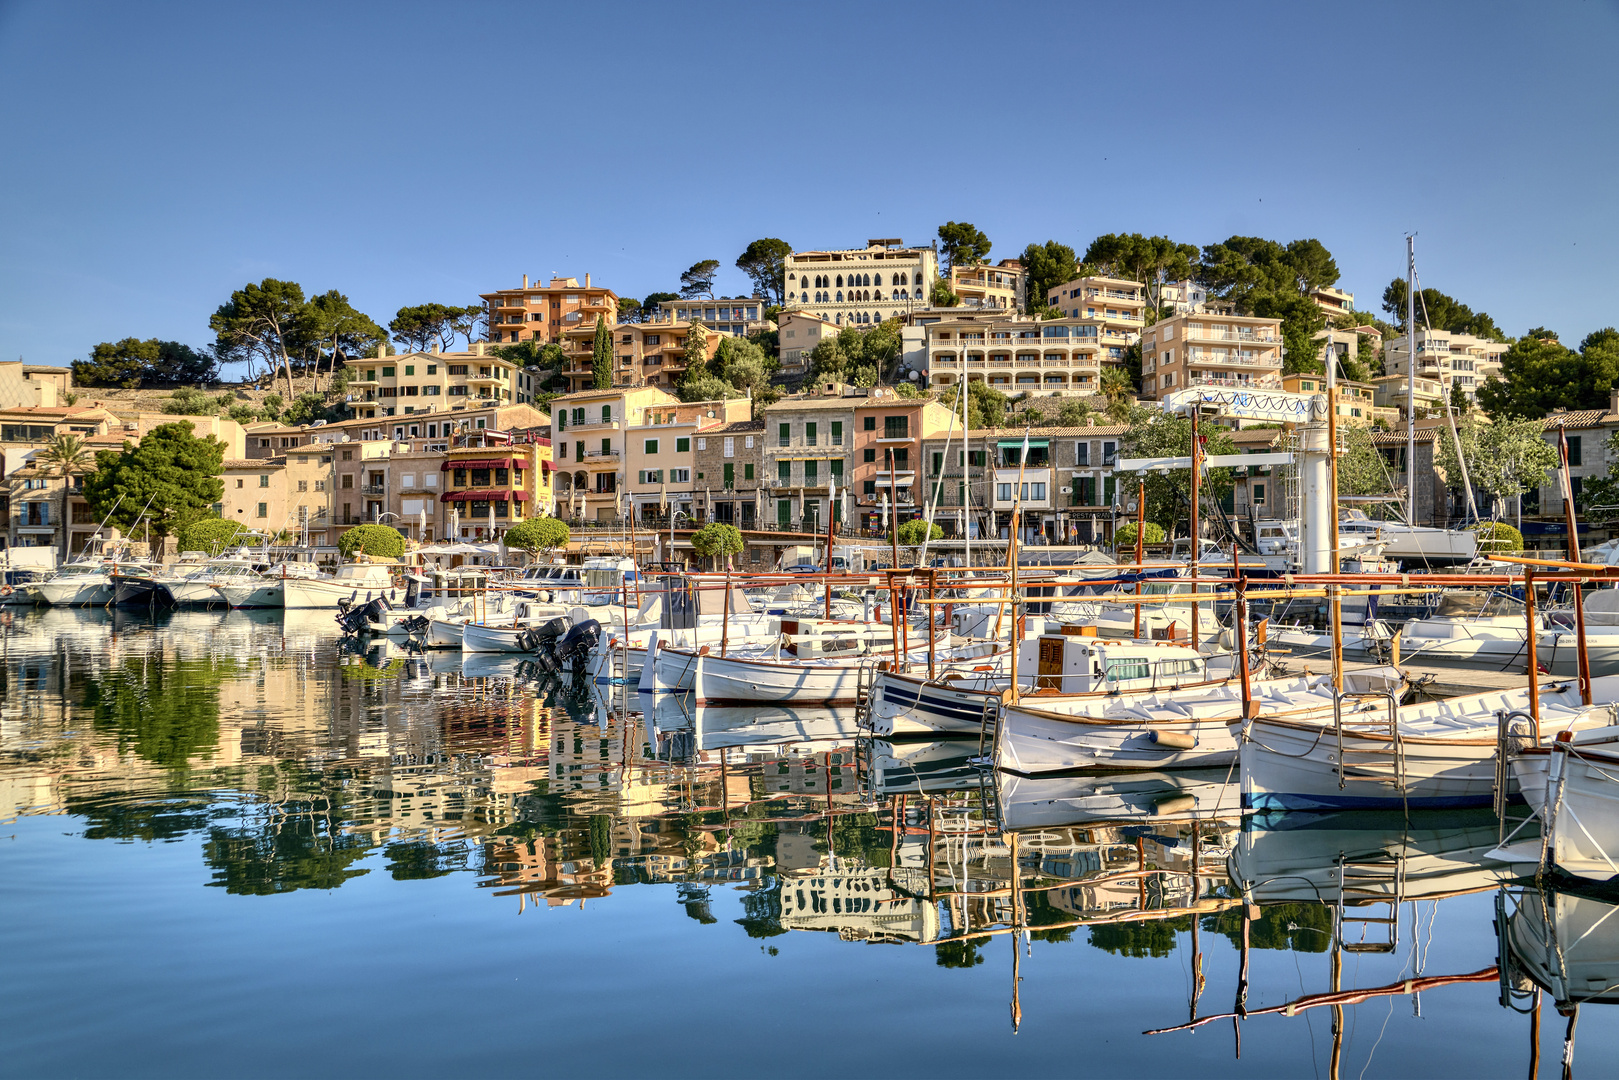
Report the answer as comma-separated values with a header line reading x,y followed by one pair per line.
x,y
807,444
490,484
1363,344
1119,303
1357,401
1003,285
267,439
735,315
729,460
798,332
1011,352
289,494
1334,303
1210,348
1447,358
644,354
861,286
888,440
1588,432
589,432
420,382
1392,392
33,385
535,312
1182,296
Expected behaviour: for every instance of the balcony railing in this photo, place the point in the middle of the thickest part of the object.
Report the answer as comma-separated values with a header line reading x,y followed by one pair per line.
x,y
374,491
1218,359
1198,334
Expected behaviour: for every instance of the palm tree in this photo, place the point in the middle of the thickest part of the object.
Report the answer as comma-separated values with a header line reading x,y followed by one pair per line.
x,y
65,457
1118,390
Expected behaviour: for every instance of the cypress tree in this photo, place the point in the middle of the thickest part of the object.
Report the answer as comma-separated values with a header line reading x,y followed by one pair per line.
x,y
601,363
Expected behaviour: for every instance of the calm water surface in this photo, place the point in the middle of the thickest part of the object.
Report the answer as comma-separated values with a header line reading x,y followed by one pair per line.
x,y
227,846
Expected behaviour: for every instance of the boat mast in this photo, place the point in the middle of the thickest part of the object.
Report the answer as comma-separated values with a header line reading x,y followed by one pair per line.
x,y
1411,379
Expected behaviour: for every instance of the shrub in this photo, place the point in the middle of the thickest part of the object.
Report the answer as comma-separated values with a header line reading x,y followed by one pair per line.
x,y
383,541
190,402
212,535
243,414
1125,536
1498,536
914,532
538,534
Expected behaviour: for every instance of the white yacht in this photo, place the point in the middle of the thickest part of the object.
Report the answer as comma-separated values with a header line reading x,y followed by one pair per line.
x,y
362,581
1410,543
76,584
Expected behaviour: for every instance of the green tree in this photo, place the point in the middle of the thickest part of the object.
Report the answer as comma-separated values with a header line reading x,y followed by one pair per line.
x,y
1047,265
260,323
168,481
1504,459
1441,312
652,304
1073,413
698,280
1160,435
716,540
1539,374
1274,281
601,356
64,457
538,534
986,406
1124,537
962,244
1498,537
941,295
704,387
330,328
1119,391
1459,401
629,309
383,541
747,368
308,407
1361,469
765,263
132,363
270,406
212,535
422,326
917,531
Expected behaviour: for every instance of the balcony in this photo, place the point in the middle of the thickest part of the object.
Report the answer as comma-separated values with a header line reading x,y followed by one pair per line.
x,y
589,425
1198,356
1235,382
1204,334
375,491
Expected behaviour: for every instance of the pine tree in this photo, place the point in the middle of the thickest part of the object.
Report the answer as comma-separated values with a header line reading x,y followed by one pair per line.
x,y
601,362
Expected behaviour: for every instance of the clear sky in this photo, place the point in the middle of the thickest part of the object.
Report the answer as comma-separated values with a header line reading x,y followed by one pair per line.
x,y
154,156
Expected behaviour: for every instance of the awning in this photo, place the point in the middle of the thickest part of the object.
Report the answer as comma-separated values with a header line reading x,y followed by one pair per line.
x,y
1014,444
550,466
484,496
477,463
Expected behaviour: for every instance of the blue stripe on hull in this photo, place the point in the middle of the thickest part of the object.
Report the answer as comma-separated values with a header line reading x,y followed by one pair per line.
x,y
1274,800
906,700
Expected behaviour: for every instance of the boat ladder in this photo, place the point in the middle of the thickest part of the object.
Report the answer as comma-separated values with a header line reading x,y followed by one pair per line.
x,y
989,718
1369,883
1360,760
865,683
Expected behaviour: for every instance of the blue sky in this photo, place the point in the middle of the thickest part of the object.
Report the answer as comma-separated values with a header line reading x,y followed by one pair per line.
x,y
158,156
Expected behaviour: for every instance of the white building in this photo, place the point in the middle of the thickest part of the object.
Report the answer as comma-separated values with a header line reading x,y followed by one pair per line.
x,y
1450,359
861,286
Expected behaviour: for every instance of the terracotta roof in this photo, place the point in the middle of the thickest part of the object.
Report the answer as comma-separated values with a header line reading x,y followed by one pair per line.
x,y
254,463
738,425
1582,418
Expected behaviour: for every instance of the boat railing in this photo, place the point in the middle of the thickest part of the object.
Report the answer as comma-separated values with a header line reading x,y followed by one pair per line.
x,y
1394,756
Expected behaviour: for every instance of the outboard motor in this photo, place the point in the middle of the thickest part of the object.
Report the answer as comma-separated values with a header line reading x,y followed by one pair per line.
x,y
577,645
358,620
413,591
415,624
545,639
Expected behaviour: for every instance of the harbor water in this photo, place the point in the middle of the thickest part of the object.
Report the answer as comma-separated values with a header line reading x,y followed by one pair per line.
x,y
230,845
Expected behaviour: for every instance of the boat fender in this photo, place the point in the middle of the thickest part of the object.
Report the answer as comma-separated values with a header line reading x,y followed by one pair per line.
x,y
1179,740
6,590
1178,804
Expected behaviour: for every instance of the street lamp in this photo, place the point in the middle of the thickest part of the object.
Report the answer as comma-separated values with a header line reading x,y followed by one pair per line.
x,y
673,513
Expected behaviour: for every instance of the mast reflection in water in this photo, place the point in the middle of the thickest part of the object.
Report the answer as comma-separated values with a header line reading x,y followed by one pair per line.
x,y
231,845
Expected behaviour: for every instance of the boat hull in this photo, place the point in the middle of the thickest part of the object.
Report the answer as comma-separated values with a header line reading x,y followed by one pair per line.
x,y
264,594
74,593
314,593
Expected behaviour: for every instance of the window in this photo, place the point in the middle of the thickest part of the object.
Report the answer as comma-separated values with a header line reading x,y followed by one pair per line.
x,y
747,442
651,476
938,462
730,475
812,473
607,447
730,446
502,478
410,369
1110,453
747,471
975,458
264,480
896,427
348,480
1082,453
459,478
869,487
607,414
834,468
680,476
784,473
651,446
303,485
837,433
1003,492
457,369
387,373
784,435
238,482
432,369
784,512
809,434
682,446
264,510
869,423
869,454
1574,450
1259,494
702,444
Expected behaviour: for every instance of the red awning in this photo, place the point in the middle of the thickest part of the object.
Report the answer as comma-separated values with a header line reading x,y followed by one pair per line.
x,y
479,463
495,495
550,466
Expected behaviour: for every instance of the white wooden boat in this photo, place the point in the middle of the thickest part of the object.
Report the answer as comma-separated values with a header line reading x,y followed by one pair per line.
x,y
1186,728
811,661
1433,754
1048,802
497,634
1572,784
362,581
747,629
1563,942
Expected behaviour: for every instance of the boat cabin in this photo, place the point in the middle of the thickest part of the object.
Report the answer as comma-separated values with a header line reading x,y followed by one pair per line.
x,y
1077,662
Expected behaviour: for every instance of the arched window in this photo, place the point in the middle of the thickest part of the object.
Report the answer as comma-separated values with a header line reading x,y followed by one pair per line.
x,y
840,292
876,279
804,298
865,279
840,318
903,280
840,281
898,295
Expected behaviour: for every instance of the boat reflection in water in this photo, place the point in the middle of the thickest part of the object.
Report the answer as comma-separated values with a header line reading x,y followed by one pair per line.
x,y
1564,944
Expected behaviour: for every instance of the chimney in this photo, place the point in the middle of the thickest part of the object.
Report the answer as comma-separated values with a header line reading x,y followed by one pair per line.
x,y
382,350
525,281
1613,401
587,279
